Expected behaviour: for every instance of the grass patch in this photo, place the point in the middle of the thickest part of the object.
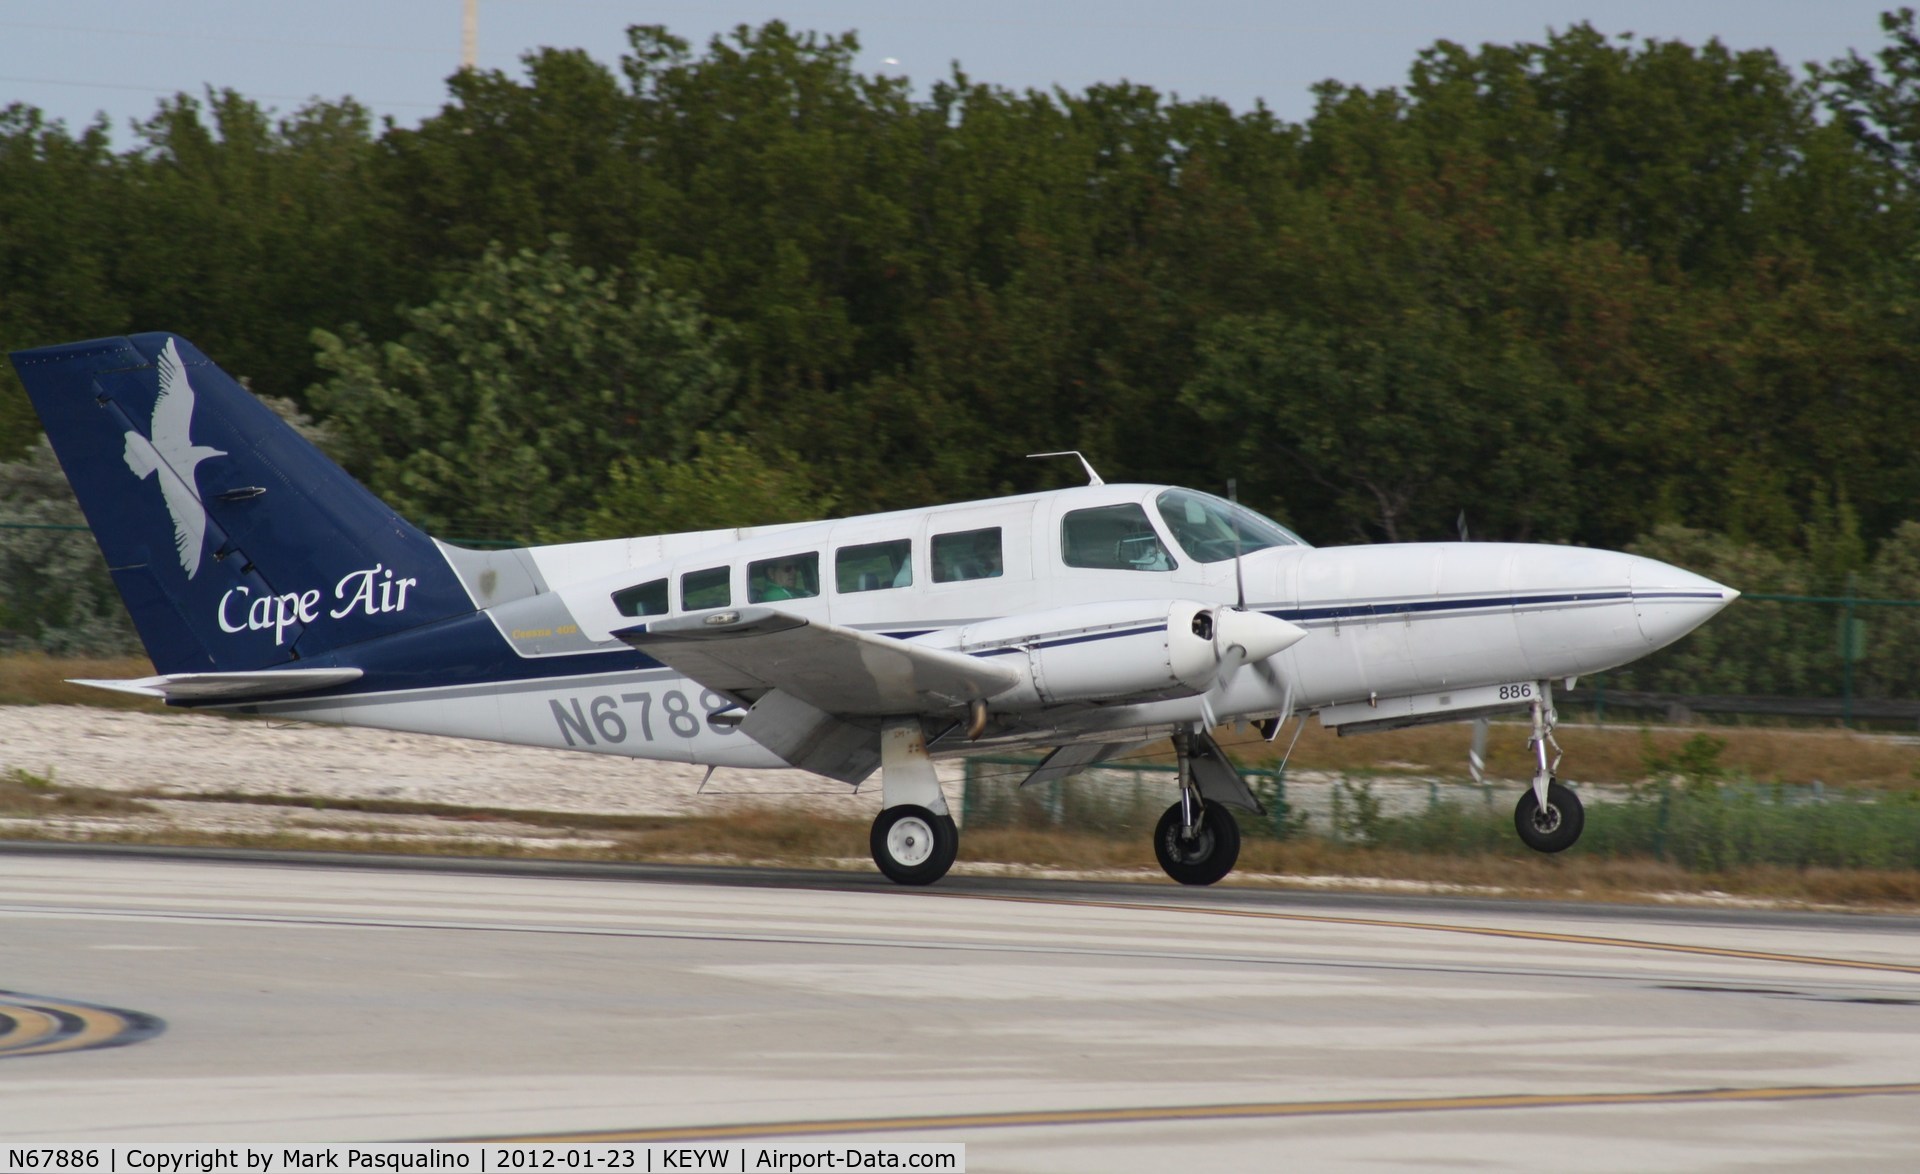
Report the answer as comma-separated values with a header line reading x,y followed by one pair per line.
x,y
574,820
37,679
1598,754
27,795
802,840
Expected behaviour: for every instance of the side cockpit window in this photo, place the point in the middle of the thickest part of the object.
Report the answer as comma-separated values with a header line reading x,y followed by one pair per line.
x,y
967,554
873,566
644,599
1112,538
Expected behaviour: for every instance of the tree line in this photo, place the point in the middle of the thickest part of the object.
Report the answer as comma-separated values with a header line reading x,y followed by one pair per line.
x,y
1570,291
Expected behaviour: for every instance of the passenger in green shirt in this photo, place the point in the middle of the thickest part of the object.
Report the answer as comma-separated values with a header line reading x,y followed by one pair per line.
x,y
783,582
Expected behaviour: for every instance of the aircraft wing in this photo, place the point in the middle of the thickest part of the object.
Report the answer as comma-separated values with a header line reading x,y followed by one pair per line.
x,y
841,671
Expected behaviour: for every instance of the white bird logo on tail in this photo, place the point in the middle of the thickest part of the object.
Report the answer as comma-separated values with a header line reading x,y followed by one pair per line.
x,y
173,455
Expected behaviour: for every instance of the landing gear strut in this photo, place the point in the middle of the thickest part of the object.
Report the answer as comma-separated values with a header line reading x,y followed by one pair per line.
x,y
1549,816
1197,842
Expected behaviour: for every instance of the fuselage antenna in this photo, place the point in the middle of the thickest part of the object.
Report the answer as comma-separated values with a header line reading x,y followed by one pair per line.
x,y
1093,478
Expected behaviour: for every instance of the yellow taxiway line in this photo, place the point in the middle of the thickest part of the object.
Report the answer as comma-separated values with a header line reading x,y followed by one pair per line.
x,y
1268,1109
32,1026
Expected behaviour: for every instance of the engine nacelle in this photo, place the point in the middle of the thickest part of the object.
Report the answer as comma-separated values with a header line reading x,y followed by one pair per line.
x,y
1129,651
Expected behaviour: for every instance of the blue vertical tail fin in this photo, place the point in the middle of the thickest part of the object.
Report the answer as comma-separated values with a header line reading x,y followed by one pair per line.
x,y
236,544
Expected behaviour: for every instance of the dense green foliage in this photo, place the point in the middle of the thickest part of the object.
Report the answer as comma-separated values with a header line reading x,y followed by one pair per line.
x,y
501,409
1571,291
1574,289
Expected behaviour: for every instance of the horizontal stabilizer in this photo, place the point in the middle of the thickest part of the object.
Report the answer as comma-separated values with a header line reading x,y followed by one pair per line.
x,y
228,686
840,671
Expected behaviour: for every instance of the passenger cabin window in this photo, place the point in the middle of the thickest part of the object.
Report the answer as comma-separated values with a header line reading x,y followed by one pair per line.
x,y
1112,538
645,599
967,554
709,588
874,566
791,576
1212,529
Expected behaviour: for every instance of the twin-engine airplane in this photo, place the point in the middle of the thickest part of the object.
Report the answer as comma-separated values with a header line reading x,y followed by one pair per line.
x,y
263,579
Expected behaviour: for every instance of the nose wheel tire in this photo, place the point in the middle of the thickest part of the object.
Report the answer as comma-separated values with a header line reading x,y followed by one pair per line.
x,y
1552,828
1205,856
912,845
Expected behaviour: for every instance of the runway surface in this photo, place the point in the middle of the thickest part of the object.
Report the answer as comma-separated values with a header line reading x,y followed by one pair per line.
x,y
1050,1027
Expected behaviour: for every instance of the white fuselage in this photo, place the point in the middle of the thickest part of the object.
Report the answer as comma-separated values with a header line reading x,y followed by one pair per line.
x,y
1415,625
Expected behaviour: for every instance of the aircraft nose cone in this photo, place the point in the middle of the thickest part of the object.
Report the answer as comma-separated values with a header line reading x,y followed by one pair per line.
x,y
1669,602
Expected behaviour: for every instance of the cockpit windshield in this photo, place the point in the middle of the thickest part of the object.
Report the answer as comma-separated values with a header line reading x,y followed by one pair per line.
x,y
1212,529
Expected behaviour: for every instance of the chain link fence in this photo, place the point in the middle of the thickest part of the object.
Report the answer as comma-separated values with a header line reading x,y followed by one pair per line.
x,y
1847,660
1110,797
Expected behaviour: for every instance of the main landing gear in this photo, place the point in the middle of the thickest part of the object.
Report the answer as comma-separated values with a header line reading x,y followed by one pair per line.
x,y
1548,817
912,845
1197,842
914,839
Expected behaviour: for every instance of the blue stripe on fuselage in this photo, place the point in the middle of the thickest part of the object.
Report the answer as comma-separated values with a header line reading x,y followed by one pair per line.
x,y
469,650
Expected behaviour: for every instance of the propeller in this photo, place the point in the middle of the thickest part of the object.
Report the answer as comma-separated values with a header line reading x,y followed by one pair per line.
x,y
1239,580
1241,634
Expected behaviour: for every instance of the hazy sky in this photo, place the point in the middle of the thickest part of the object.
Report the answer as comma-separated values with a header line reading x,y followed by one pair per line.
x,y
78,57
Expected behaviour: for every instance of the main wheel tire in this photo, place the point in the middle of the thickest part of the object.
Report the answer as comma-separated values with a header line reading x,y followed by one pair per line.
x,y
1552,828
1205,857
912,845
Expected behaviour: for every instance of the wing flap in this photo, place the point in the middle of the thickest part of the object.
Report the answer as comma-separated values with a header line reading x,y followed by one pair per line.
x,y
841,671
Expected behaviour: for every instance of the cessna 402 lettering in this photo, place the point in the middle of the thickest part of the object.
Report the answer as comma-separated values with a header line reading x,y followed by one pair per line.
x,y
262,578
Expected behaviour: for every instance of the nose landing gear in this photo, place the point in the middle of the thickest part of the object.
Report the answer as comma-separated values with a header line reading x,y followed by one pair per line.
x,y
1197,841
1197,848
1549,816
